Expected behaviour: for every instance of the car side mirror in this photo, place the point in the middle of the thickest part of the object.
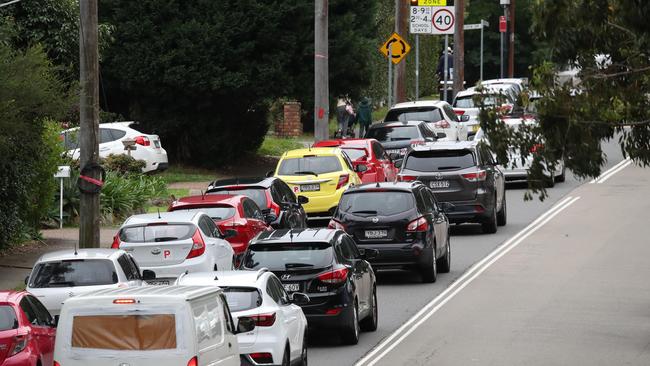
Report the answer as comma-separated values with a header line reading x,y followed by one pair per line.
x,y
229,233
270,217
464,118
26,280
148,275
447,207
398,163
299,298
361,168
245,324
303,200
368,253
394,156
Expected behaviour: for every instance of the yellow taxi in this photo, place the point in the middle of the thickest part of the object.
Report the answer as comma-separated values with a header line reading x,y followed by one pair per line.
x,y
321,174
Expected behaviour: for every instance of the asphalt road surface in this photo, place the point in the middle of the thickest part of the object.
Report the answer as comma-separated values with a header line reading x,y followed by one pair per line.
x,y
401,294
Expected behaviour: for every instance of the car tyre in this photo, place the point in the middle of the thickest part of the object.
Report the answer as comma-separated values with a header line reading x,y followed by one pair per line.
x,y
286,359
369,324
444,263
562,177
429,273
490,226
303,354
502,215
351,332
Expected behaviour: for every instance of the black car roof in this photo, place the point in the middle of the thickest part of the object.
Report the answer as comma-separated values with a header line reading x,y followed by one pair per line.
x,y
296,236
246,181
393,186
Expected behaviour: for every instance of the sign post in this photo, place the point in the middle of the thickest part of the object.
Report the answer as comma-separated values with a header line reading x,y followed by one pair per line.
x,y
503,26
62,172
395,49
480,26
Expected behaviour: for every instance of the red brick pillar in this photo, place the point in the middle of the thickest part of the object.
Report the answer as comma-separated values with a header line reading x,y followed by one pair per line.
x,y
290,126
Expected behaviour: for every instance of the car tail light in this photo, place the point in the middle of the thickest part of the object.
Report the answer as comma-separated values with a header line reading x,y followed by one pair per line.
x,y
198,245
334,311
343,180
20,343
418,225
142,140
123,301
459,112
441,124
261,357
479,209
56,364
416,142
333,224
536,148
264,320
193,362
334,276
116,242
272,205
478,176
406,178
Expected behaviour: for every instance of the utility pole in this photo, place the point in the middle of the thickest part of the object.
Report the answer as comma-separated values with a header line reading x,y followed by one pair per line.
x,y
459,47
401,28
321,71
511,50
89,122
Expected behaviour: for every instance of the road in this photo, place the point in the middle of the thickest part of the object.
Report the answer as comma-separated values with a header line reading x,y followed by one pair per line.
x,y
401,294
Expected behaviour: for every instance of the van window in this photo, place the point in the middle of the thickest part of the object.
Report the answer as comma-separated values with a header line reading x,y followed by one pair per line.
x,y
124,332
157,233
71,273
208,322
7,318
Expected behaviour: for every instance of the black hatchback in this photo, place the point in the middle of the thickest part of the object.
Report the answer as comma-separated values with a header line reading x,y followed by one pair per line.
x,y
463,174
398,137
402,221
326,265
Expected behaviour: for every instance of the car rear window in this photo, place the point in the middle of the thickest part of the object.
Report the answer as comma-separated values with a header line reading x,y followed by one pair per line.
x,y
156,233
384,203
394,133
309,164
428,114
242,298
356,154
7,318
256,194
72,273
441,160
288,256
468,101
215,213
125,332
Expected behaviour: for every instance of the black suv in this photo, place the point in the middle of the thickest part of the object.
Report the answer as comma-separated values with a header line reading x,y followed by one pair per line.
x,y
326,265
271,194
463,174
402,221
398,137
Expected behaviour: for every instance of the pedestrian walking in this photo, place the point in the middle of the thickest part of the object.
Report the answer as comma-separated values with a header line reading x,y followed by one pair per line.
x,y
341,118
441,64
352,118
364,116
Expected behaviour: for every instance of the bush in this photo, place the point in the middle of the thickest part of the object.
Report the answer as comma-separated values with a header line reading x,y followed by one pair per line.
x,y
123,164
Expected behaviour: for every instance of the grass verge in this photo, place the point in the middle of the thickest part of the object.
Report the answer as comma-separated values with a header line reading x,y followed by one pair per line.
x,y
276,146
177,174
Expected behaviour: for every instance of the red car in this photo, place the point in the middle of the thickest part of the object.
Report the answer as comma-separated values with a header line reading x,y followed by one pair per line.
x,y
27,330
238,213
370,153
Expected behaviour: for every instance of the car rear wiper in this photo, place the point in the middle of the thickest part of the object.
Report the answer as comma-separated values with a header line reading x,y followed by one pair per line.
x,y
305,172
297,265
165,238
400,138
61,284
370,212
448,167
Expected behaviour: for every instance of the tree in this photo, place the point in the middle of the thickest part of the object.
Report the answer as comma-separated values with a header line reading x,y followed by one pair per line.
x,y
607,41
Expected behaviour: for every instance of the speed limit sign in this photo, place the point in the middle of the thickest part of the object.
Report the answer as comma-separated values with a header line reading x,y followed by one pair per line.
x,y
443,20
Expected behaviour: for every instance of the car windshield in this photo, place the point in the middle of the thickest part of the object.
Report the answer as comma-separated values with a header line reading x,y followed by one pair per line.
x,y
373,203
468,101
242,298
439,160
309,164
427,114
288,256
72,273
216,213
7,318
356,154
156,233
393,133
256,194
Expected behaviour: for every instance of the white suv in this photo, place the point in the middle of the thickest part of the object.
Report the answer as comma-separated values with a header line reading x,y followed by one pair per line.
x,y
111,135
280,334
171,243
439,115
59,275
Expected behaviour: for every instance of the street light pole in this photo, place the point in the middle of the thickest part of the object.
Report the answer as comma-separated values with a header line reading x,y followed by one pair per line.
x,y
321,71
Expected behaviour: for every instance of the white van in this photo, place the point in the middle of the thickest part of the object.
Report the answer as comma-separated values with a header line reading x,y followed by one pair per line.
x,y
149,326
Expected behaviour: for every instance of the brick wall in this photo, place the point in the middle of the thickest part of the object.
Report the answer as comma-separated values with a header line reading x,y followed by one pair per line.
x,y
290,125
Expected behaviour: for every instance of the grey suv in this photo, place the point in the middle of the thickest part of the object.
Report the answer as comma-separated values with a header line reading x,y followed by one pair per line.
x,y
463,174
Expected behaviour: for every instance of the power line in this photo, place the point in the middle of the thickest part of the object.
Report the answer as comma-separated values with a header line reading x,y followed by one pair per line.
x,y
9,3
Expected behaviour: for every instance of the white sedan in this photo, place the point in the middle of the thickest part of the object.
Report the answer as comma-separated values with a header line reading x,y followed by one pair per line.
x,y
280,334
111,135
439,115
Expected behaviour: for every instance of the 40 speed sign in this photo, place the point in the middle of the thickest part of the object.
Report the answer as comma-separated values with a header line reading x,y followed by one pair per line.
x,y
443,20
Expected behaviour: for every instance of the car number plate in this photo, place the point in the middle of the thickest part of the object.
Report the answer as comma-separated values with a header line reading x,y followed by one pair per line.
x,y
158,283
309,187
291,287
376,234
439,184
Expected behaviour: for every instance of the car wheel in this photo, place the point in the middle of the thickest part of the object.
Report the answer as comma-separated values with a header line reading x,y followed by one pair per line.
x,y
369,324
562,177
429,273
444,265
490,226
502,215
303,355
351,332
286,360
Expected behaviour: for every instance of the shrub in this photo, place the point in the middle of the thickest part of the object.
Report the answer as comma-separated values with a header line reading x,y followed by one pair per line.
x,y
123,164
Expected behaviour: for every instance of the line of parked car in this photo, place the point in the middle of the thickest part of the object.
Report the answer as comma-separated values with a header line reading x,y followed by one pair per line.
x,y
237,276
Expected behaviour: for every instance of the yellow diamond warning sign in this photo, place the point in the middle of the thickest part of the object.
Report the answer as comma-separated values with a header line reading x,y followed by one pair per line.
x,y
395,48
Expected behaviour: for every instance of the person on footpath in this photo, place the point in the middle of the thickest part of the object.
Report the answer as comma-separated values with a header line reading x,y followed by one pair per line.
x,y
341,118
352,118
364,116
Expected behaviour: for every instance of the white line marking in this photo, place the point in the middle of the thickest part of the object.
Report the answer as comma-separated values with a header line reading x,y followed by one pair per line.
x,y
420,317
605,178
608,171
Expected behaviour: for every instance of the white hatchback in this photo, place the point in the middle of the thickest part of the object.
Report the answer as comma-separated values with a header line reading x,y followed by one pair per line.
x,y
439,115
280,334
171,243
60,275
111,135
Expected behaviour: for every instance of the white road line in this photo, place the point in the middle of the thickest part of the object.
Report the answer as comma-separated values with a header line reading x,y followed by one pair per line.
x,y
428,310
605,178
610,171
